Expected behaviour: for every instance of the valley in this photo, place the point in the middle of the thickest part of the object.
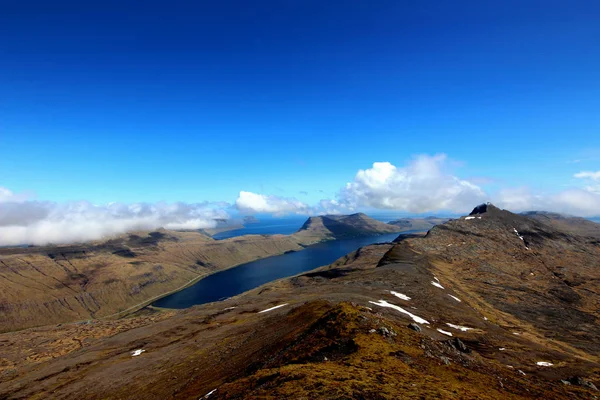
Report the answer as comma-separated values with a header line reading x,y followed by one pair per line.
x,y
111,278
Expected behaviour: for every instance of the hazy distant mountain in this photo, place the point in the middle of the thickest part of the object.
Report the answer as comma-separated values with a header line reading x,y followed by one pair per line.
x,y
577,225
250,219
421,224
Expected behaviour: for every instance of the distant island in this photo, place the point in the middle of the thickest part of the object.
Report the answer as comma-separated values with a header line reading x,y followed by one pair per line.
x,y
418,224
250,219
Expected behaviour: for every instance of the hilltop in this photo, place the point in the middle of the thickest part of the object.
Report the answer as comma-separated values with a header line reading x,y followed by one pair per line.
x,y
490,305
344,226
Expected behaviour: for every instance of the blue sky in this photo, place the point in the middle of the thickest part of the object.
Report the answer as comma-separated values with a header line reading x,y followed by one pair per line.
x,y
196,101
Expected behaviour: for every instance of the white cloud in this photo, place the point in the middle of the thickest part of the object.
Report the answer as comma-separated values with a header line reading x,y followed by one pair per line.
x,y
40,223
6,195
593,178
425,184
588,175
574,201
248,202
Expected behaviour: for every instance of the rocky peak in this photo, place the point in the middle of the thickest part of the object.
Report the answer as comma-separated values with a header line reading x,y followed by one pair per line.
x,y
485,208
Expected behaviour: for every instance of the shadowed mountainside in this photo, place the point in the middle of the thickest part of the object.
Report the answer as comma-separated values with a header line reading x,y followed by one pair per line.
x,y
492,305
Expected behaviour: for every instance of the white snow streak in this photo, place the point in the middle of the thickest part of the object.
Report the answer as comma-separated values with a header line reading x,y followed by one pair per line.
x,y
383,303
460,327
520,237
455,298
436,284
444,332
400,295
207,395
137,352
273,308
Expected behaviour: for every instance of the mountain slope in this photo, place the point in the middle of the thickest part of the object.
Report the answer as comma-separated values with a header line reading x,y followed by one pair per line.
x,y
574,225
374,325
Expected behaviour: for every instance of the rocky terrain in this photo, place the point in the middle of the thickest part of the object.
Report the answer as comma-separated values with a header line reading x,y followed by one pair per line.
x,y
491,305
54,284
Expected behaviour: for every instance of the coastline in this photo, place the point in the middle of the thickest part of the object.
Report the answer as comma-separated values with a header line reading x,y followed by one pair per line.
x,y
280,254
146,303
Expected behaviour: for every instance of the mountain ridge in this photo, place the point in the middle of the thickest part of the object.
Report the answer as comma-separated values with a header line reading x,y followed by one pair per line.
x,y
490,305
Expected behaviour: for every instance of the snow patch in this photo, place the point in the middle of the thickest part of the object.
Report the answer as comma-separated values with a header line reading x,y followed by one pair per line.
x,y
501,349
520,237
273,308
383,303
207,395
137,352
544,363
460,327
400,295
444,332
467,218
437,284
455,298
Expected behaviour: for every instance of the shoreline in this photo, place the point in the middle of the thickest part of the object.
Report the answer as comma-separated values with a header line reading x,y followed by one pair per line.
x,y
299,240
195,280
275,255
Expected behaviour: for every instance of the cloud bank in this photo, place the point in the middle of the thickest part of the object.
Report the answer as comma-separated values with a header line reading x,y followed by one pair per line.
x,y
250,203
428,184
25,221
588,174
425,184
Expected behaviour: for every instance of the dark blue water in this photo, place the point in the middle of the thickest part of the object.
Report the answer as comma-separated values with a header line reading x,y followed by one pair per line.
x,y
240,279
